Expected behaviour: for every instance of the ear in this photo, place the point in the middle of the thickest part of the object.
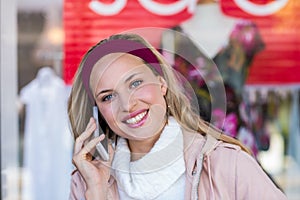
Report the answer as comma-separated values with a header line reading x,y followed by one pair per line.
x,y
164,86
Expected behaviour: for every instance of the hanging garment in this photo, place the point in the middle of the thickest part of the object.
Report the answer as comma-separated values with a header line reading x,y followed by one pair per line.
x,y
47,140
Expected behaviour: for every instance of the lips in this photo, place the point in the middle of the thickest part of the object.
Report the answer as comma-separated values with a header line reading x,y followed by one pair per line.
x,y
136,118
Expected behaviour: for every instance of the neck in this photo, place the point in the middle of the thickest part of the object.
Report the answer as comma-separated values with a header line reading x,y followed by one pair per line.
x,y
139,148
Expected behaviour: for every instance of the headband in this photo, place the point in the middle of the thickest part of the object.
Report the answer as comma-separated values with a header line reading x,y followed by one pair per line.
x,y
116,46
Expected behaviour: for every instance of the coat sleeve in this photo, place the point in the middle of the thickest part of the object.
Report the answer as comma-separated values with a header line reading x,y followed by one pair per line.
x,y
78,187
252,182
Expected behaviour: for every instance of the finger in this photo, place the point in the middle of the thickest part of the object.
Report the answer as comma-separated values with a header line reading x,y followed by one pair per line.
x,y
84,136
107,164
91,144
84,153
111,151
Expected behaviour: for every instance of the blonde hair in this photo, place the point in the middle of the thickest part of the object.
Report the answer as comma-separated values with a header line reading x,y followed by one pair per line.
x,y
179,106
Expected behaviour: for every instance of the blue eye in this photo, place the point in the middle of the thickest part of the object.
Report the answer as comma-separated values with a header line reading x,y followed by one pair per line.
x,y
135,84
108,97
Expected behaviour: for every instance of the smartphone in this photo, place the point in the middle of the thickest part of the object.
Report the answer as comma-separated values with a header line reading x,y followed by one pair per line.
x,y
101,147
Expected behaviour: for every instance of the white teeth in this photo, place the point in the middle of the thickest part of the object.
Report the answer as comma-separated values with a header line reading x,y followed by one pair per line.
x,y
136,119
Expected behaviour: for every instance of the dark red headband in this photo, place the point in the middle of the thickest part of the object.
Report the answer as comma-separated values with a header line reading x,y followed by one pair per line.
x,y
117,46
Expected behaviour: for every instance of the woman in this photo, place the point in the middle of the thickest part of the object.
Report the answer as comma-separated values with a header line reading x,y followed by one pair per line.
x,y
162,148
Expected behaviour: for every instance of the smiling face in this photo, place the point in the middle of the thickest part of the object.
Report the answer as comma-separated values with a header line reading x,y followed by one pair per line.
x,y
129,96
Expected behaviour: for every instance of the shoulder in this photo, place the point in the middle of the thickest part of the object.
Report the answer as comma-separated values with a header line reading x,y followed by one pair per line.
x,y
240,172
227,151
231,160
192,137
195,142
230,169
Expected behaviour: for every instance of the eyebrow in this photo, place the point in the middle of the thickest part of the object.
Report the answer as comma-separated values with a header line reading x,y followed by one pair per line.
x,y
131,76
101,92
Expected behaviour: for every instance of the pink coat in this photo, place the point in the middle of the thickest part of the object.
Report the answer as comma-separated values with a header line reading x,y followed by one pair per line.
x,y
227,173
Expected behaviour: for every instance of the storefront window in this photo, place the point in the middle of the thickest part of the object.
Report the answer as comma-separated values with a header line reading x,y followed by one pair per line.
x,y
42,43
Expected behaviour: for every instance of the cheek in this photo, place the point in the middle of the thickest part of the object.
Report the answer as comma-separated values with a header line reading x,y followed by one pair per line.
x,y
151,94
107,113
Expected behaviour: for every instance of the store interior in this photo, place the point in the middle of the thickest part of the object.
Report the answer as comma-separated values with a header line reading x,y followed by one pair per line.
x,y
267,103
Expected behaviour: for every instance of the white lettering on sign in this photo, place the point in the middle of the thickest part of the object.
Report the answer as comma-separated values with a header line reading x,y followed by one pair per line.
x,y
107,9
259,9
150,5
168,9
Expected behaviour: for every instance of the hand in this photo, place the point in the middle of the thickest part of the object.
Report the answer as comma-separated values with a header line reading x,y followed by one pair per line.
x,y
96,173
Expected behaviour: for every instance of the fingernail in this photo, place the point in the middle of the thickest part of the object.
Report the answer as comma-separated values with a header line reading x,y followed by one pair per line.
x,y
102,136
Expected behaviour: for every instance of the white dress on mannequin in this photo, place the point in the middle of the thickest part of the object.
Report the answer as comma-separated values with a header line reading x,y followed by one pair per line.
x,y
47,139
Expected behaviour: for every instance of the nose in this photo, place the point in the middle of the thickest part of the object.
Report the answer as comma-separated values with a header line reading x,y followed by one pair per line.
x,y
127,101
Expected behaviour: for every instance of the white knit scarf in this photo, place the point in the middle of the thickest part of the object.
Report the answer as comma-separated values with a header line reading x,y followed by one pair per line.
x,y
155,173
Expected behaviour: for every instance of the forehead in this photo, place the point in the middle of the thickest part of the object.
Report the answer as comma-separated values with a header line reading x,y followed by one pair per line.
x,y
116,62
116,65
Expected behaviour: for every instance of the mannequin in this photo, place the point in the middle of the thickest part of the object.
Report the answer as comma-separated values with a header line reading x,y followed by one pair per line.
x,y
230,43
209,27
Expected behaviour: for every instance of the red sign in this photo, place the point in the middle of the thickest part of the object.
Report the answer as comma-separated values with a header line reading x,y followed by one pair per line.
x,y
86,22
279,25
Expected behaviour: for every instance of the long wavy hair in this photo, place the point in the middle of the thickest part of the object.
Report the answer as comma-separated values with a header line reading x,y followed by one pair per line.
x,y
179,106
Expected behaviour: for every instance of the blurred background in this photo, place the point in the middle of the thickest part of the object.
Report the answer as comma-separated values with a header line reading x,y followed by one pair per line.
x,y
248,48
